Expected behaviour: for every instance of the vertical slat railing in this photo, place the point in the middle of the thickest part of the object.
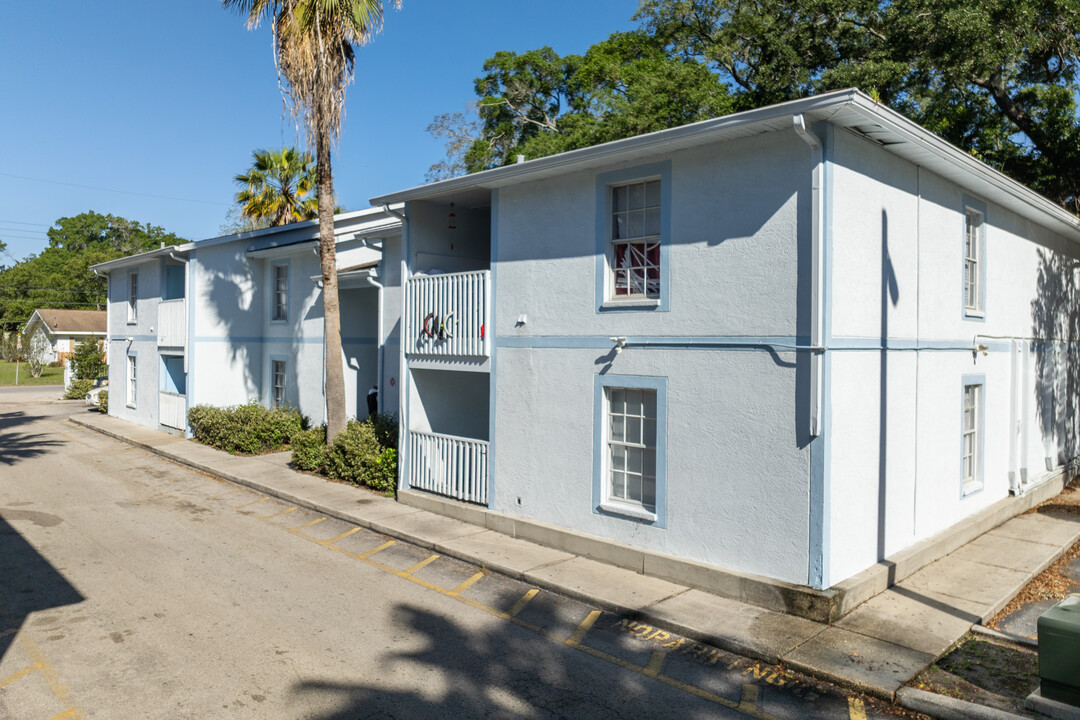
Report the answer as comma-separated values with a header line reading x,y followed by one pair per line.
x,y
446,465
172,410
172,323
466,295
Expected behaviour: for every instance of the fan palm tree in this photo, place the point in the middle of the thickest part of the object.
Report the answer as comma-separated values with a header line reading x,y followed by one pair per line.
x,y
279,188
314,43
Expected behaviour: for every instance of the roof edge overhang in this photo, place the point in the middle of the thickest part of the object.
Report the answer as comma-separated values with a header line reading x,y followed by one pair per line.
x,y
914,140
142,257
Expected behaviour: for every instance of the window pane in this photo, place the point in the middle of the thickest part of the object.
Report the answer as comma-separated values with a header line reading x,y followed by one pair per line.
x,y
648,492
633,430
637,196
619,226
652,193
636,224
633,459
618,457
633,487
618,400
652,221
617,429
618,484
633,402
648,459
619,198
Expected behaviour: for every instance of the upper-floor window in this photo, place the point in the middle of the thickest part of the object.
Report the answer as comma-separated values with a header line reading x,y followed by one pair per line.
x,y
133,296
281,293
974,262
132,380
635,240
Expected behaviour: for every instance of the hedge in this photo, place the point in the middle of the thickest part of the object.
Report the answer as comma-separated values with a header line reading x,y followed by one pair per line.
x,y
364,453
249,429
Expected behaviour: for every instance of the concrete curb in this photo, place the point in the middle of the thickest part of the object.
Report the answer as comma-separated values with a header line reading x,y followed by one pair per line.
x,y
1007,637
947,708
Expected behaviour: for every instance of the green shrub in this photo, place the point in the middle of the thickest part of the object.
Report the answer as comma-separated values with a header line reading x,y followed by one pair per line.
x,y
357,457
248,429
103,401
88,360
385,426
78,389
309,449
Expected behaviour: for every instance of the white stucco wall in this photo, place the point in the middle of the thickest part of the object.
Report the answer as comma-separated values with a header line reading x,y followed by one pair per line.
x,y
143,343
737,476
897,270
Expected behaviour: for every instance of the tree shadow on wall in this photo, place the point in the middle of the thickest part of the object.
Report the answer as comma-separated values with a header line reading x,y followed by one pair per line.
x,y
240,320
497,671
1055,315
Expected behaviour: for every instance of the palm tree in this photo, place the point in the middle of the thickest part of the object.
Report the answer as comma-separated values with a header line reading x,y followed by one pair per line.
x,y
279,187
314,44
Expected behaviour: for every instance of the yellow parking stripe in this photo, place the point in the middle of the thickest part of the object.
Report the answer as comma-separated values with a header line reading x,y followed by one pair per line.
x,y
748,702
22,673
520,604
467,584
316,521
655,663
856,709
253,502
421,564
286,511
583,628
231,492
345,534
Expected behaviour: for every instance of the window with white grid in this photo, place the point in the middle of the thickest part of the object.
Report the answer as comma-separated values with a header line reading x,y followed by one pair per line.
x,y
631,439
281,293
971,445
277,373
132,384
133,296
973,259
635,239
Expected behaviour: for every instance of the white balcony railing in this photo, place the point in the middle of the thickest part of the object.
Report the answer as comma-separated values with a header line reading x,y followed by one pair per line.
x,y
447,315
172,410
172,323
452,466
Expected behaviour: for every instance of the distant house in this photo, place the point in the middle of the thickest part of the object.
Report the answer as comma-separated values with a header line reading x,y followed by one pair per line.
x,y
64,329
238,318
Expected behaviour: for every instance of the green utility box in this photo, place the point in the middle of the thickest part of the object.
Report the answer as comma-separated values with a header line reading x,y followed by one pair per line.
x,y
1059,651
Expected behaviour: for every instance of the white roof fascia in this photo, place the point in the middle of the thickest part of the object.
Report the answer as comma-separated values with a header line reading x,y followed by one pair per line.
x,y
650,143
131,260
377,214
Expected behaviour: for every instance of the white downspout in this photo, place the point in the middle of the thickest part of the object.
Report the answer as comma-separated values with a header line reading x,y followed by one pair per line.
x,y
187,308
382,342
817,308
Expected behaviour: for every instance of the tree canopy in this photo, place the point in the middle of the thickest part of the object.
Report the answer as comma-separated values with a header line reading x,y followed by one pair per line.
x,y
278,188
997,78
60,276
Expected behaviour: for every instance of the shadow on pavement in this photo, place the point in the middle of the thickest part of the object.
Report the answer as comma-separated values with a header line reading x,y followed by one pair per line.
x,y
16,446
28,582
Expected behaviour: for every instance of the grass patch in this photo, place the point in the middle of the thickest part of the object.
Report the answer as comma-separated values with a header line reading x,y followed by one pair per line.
x,y
49,375
985,671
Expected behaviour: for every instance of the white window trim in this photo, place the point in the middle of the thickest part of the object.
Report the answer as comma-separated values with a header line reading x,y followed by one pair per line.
x,y
603,502
133,297
274,291
131,377
973,208
975,482
274,359
606,299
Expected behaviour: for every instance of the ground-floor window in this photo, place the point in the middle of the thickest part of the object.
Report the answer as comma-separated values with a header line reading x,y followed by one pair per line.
x,y
971,435
277,383
629,439
132,381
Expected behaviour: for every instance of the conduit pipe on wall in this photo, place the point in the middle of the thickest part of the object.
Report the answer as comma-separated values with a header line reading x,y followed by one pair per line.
x,y
817,304
382,343
402,399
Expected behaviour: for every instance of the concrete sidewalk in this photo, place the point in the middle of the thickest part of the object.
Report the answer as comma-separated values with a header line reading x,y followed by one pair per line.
x,y
875,649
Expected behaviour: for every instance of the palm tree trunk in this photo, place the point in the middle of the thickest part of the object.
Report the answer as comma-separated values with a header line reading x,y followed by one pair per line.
x,y
335,374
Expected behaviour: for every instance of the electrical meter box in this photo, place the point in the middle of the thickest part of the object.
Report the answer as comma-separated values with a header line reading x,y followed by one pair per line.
x,y
1059,651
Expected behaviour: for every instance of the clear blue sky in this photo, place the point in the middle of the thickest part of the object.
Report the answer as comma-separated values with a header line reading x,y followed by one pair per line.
x,y
169,99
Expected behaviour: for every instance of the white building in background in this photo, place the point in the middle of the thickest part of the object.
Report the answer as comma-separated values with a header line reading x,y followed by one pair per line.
x,y
64,329
239,318
786,344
